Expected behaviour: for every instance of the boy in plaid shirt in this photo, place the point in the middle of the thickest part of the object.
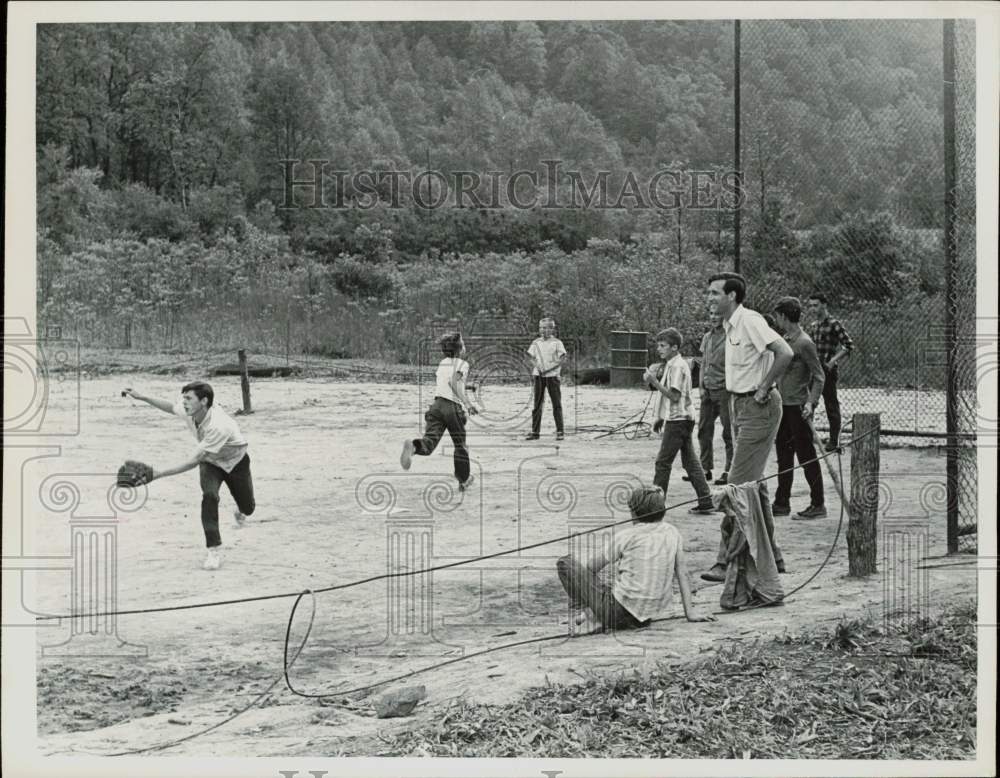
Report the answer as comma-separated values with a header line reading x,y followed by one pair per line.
x,y
833,344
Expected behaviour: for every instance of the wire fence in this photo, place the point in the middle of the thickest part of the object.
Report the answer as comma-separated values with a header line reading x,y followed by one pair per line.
x,y
836,205
962,330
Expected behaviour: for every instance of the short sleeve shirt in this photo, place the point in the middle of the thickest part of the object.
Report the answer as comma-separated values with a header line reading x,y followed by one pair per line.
x,y
644,555
547,352
747,358
448,367
677,375
220,441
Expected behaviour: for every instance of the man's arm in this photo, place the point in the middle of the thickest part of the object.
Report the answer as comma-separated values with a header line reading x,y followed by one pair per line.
x,y
782,359
845,345
181,468
816,376
163,405
681,574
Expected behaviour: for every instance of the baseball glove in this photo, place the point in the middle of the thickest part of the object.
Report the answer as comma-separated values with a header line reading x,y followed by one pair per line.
x,y
134,473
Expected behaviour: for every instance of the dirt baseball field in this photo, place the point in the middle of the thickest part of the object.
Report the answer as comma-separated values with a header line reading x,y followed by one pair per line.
x,y
334,507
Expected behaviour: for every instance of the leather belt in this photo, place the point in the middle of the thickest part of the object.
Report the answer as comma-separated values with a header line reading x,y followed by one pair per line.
x,y
751,393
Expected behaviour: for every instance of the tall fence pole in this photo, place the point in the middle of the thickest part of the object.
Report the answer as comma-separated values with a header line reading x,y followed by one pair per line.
x,y
737,163
950,264
862,545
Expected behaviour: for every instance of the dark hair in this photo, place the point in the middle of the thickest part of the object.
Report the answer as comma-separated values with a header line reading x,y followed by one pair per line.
x,y
201,391
734,282
451,344
818,296
671,336
790,308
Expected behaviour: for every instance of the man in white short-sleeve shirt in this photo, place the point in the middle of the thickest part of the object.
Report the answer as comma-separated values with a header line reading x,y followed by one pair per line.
x,y
756,357
220,456
547,354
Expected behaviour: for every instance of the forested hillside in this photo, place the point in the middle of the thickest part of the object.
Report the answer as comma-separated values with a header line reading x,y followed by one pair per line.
x,y
162,144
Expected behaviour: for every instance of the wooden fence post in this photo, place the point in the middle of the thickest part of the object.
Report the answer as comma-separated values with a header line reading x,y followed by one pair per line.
x,y
863,516
245,382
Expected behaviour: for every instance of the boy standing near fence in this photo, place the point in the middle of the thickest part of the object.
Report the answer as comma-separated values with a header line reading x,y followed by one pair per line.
x,y
800,389
675,416
548,354
833,344
447,411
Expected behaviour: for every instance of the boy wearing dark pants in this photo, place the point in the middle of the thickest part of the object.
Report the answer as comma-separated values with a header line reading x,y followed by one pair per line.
x,y
221,458
800,388
714,400
547,353
446,412
675,416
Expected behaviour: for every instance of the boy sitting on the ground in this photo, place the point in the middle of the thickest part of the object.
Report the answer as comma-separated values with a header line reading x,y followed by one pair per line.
x,y
647,556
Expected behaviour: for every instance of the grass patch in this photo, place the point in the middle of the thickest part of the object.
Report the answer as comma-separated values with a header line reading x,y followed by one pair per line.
x,y
862,691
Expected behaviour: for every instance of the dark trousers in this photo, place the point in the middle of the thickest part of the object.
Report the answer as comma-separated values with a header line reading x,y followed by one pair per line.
x,y
445,415
831,403
795,440
678,436
586,590
541,383
714,405
240,487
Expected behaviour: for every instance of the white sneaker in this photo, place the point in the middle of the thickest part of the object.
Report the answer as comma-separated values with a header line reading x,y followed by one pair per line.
x,y
241,520
407,456
213,560
468,482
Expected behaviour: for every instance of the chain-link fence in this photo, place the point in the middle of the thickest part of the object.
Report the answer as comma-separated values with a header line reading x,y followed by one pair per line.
x,y
961,328
845,198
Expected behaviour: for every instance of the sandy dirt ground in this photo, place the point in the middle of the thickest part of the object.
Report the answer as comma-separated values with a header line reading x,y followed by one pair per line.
x,y
335,507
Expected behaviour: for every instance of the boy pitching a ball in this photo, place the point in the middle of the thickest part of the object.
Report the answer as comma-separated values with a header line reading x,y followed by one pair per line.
x,y
220,456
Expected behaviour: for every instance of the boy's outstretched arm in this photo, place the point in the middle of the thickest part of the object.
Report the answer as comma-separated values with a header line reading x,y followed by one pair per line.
x,y
681,573
181,468
163,405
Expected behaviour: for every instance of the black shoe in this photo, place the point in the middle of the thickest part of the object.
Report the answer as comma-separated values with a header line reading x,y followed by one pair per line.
x,y
810,513
781,510
708,476
831,446
781,566
722,480
532,436
716,573
560,436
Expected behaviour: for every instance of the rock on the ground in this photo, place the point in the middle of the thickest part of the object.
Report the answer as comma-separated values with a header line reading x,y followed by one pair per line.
x,y
400,702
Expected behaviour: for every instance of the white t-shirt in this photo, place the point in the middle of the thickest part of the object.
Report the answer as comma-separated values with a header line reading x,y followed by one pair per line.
x,y
747,359
219,437
547,352
448,367
677,376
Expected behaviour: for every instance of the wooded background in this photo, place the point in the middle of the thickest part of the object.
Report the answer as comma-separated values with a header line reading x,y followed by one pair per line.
x,y
159,179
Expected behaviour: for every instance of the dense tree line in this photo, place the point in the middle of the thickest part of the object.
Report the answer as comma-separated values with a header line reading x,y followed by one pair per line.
x,y
838,116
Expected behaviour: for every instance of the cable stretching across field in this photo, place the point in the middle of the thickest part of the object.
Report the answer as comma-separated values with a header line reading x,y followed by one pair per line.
x,y
559,636
288,664
406,573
